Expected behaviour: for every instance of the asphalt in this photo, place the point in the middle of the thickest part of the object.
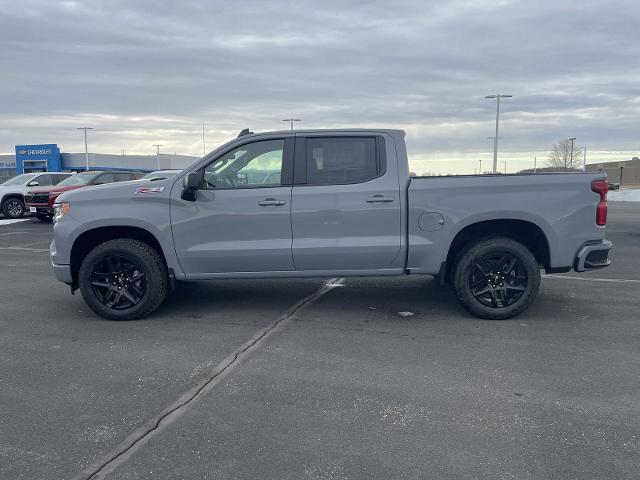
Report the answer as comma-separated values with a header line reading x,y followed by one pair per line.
x,y
369,379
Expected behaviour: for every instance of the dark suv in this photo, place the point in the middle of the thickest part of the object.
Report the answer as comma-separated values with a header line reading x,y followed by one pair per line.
x,y
40,200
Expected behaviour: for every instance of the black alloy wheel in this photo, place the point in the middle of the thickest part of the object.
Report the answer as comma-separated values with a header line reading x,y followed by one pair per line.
x,y
498,279
118,281
123,279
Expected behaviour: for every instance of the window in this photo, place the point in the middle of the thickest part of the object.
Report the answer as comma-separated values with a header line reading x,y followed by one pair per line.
x,y
43,180
341,160
105,178
257,164
57,178
124,177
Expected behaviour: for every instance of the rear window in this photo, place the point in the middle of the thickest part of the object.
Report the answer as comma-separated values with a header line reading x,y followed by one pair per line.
x,y
341,160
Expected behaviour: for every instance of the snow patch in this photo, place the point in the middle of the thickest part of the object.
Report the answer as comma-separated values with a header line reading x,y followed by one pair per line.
x,y
626,195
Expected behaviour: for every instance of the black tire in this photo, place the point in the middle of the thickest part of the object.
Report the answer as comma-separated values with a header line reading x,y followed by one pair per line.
x,y
13,207
148,277
483,286
43,217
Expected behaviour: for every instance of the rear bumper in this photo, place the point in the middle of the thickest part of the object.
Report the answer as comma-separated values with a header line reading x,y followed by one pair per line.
x,y
592,256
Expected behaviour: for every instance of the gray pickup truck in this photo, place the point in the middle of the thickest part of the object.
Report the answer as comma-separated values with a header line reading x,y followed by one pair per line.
x,y
325,203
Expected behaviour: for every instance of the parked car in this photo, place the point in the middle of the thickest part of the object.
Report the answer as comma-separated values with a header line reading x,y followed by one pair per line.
x,y
341,204
160,174
12,191
41,200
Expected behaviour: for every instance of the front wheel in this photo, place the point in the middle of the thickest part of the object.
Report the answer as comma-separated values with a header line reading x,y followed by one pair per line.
x,y
496,278
123,279
13,208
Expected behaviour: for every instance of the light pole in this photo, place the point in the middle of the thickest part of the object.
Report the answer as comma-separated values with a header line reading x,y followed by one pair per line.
x,y
570,161
291,120
158,153
495,139
480,169
86,148
204,145
505,166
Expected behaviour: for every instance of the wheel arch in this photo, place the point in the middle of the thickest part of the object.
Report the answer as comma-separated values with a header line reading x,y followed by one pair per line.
x,y
523,231
89,239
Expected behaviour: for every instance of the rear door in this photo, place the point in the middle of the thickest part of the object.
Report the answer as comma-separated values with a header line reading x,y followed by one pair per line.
x,y
346,204
241,218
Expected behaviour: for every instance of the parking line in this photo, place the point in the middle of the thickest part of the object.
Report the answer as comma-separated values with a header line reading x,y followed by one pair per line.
x,y
14,220
153,427
593,279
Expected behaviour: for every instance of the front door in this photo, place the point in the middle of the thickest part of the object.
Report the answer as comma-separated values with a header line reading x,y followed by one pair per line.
x,y
240,220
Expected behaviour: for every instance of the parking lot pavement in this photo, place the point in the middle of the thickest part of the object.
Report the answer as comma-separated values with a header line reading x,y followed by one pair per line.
x,y
350,388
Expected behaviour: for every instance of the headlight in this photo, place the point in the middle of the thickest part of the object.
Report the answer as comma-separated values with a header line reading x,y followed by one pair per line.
x,y
60,210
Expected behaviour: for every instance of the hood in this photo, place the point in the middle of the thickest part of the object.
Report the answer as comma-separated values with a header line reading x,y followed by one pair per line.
x,y
118,191
54,188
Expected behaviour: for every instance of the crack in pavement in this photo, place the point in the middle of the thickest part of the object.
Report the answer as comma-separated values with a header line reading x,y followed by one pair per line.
x,y
144,433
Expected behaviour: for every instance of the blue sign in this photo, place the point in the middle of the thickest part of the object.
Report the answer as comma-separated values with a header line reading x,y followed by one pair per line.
x,y
38,158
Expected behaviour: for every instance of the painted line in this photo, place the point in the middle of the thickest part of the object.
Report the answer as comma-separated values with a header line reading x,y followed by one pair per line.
x,y
26,249
592,279
178,408
14,220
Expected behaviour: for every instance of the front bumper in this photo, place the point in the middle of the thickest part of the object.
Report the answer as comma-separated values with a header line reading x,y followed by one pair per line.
x,y
592,256
63,273
39,208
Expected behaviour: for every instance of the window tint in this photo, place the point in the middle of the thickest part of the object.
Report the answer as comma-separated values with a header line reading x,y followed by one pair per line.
x,y
124,177
257,164
43,180
104,178
56,178
341,160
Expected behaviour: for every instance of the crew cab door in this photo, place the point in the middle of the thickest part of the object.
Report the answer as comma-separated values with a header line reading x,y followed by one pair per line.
x,y
346,211
240,220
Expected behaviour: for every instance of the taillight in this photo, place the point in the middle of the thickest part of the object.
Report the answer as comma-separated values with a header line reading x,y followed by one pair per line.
x,y
601,187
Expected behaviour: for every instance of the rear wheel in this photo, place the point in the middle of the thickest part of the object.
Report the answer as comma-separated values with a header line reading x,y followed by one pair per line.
x,y
13,208
123,279
496,278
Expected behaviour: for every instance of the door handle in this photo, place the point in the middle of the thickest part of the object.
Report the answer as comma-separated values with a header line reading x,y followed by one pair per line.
x,y
271,202
380,199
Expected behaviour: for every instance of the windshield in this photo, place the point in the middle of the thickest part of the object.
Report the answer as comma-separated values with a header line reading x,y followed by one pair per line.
x,y
79,179
19,180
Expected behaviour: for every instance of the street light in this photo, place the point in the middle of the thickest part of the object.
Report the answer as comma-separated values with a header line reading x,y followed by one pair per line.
x,y
495,140
565,158
480,169
86,149
158,153
291,120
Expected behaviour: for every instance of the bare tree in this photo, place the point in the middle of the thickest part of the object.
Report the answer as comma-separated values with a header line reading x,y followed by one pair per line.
x,y
560,156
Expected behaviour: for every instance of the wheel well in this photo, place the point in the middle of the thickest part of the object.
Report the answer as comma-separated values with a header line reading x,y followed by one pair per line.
x,y
90,239
12,195
527,233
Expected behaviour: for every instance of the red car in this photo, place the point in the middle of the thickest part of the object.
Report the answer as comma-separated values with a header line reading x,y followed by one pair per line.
x,y
40,200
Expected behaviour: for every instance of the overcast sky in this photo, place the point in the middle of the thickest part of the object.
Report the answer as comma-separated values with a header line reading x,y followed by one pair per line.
x,y
145,72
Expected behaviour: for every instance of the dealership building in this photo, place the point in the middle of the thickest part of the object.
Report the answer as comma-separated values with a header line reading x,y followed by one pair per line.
x,y
48,158
626,173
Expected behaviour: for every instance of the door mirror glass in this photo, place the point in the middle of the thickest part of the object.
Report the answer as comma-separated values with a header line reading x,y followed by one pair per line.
x,y
33,184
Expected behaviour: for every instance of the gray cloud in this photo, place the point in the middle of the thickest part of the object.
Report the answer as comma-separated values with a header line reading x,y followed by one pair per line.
x,y
146,71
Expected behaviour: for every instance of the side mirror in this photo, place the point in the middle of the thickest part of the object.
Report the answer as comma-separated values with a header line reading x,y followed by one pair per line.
x,y
33,184
191,183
